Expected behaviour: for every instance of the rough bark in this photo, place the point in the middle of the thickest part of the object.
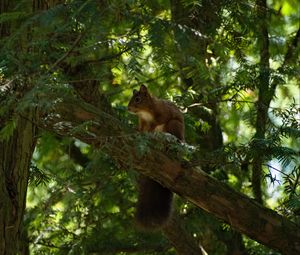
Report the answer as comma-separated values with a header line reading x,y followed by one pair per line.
x,y
15,157
241,212
265,95
16,150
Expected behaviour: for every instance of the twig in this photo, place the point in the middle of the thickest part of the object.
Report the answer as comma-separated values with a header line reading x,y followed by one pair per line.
x,y
274,168
62,58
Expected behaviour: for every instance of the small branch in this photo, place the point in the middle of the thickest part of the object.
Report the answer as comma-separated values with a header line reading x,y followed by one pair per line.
x,y
107,58
269,166
62,58
289,55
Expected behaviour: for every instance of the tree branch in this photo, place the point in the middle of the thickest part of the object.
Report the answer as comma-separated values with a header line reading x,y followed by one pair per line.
x,y
119,141
62,58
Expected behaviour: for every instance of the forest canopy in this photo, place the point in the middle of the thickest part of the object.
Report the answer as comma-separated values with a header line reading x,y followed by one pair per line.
x,y
70,151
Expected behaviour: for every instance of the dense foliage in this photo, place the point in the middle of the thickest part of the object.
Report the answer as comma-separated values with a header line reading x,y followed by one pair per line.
x,y
231,66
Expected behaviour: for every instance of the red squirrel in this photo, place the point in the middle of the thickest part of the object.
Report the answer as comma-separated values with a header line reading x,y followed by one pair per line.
x,y
154,204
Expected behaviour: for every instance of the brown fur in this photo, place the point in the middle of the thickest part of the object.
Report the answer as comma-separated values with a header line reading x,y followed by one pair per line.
x,y
154,201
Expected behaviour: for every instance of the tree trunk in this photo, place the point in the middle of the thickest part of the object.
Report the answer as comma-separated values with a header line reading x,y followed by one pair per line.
x,y
15,154
265,95
15,157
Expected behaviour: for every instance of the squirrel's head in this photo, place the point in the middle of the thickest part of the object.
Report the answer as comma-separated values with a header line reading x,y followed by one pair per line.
x,y
141,100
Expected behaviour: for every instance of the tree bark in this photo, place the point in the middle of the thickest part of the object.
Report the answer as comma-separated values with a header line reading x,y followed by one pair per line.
x,y
242,213
265,96
15,157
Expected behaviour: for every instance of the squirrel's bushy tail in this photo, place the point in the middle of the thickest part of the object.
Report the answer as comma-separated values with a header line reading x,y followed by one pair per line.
x,y
154,204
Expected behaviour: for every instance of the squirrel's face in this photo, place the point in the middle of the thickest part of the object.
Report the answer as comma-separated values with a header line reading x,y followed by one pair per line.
x,y
141,100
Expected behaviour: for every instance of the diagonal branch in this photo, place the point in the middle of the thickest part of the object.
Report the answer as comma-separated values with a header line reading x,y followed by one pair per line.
x,y
119,141
62,58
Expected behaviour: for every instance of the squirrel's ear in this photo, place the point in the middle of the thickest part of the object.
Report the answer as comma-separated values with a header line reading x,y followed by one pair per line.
x,y
143,89
135,91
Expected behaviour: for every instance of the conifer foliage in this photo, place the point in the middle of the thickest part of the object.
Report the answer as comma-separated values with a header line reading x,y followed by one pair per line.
x,y
70,152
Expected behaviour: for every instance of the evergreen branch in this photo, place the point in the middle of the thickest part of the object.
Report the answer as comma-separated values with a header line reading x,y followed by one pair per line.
x,y
37,176
62,58
120,89
288,56
108,57
296,181
193,184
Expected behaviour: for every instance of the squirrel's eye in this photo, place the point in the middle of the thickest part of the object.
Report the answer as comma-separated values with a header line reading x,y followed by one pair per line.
x,y
137,100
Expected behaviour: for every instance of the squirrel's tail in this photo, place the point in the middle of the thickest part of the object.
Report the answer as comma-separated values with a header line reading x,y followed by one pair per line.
x,y
154,204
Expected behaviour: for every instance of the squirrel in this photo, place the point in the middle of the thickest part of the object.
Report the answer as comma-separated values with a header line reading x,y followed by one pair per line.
x,y
154,204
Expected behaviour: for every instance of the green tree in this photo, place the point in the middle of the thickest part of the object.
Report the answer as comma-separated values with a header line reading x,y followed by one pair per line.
x,y
68,144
